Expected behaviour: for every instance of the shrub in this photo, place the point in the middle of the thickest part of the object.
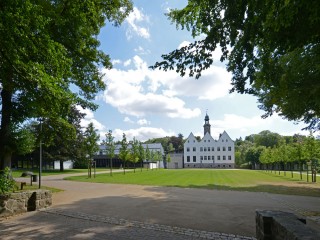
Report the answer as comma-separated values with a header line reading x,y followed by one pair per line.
x,y
7,184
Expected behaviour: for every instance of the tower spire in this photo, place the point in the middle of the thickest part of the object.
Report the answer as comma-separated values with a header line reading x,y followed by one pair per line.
x,y
206,126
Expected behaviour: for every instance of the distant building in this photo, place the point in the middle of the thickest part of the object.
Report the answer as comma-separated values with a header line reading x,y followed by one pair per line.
x,y
176,161
102,160
209,153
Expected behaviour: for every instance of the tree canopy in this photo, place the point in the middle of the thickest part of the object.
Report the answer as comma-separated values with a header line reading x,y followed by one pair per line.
x,y
272,49
49,59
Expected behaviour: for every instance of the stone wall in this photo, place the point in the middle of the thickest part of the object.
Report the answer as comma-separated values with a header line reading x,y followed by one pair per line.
x,y
276,225
21,202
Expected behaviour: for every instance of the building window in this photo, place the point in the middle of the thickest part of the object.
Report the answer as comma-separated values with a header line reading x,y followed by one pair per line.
x,y
223,148
205,149
188,141
205,157
229,148
222,140
201,158
224,158
218,148
205,140
226,140
201,149
188,158
212,157
208,149
194,140
194,149
229,157
218,157
212,149
194,158
188,149
208,140
209,158
229,166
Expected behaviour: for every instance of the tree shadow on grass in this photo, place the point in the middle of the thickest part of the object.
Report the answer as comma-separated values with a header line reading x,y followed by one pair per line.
x,y
276,189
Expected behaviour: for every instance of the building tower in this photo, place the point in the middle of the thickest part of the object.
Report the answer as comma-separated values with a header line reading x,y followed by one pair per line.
x,y
206,126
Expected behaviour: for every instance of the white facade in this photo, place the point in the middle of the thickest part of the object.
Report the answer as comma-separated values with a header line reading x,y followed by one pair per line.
x,y
66,164
209,153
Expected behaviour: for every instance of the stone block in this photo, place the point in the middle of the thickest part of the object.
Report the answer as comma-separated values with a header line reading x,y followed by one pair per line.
x,y
277,225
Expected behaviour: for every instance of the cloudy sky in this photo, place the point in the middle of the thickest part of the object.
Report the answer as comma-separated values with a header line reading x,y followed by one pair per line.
x,y
145,104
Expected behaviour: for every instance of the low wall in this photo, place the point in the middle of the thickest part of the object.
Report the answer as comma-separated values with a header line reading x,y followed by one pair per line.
x,y
21,202
276,225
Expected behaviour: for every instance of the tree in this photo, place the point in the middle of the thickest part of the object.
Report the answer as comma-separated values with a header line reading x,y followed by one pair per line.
x,y
47,47
142,154
91,139
158,158
148,155
267,139
272,49
63,138
124,152
110,148
134,153
169,150
253,154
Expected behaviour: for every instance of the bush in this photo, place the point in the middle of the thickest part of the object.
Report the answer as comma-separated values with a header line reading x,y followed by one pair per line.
x,y
80,164
7,184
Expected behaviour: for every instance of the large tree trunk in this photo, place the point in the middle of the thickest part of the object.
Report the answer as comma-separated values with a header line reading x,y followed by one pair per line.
x,y
5,130
61,166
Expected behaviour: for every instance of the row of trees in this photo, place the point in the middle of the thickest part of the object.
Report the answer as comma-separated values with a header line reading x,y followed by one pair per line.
x,y
272,151
60,142
135,154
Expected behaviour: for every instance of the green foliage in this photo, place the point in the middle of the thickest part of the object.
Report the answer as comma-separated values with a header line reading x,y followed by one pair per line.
x,y
124,153
7,184
170,144
110,145
91,138
272,49
50,59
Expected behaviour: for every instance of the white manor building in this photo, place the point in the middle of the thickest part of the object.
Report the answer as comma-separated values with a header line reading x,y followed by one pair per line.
x,y
209,153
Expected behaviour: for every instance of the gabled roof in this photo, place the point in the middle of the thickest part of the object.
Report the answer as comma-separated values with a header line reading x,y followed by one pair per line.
x,y
225,135
207,136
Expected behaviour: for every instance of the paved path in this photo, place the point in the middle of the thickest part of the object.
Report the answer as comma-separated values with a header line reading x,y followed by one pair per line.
x,y
119,211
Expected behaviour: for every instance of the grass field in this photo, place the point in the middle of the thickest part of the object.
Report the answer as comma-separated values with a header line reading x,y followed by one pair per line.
x,y
236,180
17,173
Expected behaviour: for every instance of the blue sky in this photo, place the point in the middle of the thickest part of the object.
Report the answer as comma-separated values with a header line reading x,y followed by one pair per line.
x,y
147,104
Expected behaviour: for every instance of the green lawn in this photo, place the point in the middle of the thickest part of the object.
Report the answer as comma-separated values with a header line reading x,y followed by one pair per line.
x,y
236,180
17,173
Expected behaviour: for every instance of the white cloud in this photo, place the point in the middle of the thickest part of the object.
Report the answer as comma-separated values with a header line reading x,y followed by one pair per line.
x,y
251,125
115,62
143,122
183,44
133,20
89,118
142,134
127,63
126,92
141,51
128,120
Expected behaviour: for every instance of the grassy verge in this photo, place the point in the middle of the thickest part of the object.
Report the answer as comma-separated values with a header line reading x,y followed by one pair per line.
x,y
17,173
235,180
35,186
